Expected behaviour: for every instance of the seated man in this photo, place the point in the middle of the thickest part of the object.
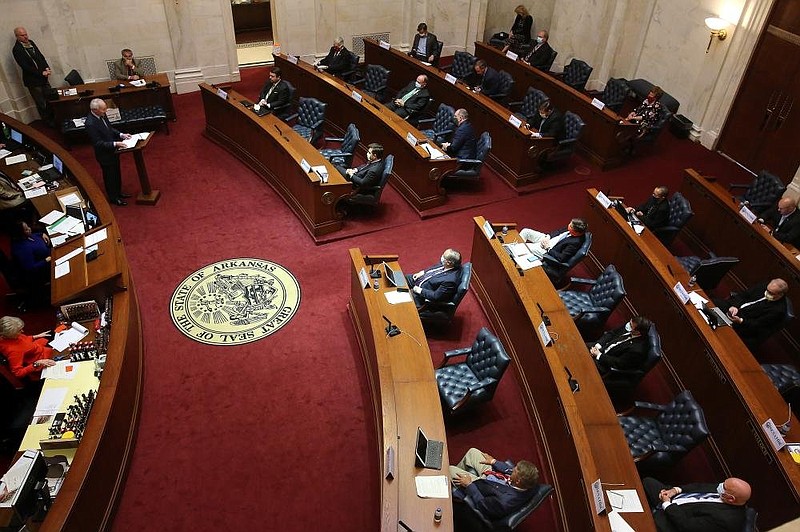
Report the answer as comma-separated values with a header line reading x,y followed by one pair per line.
x,y
338,59
412,98
438,283
464,144
125,68
541,53
654,212
368,174
275,92
695,506
560,244
497,488
785,222
550,122
425,44
622,348
755,310
485,79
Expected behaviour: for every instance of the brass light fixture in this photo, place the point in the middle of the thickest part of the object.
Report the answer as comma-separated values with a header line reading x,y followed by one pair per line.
x,y
717,27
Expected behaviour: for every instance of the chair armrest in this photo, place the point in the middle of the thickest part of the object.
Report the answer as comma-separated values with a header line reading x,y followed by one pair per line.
x,y
290,118
334,139
358,81
512,105
552,260
461,351
644,405
583,280
443,132
425,121
738,185
471,390
469,161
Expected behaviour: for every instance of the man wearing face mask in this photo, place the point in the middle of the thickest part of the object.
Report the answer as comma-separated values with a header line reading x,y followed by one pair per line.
x,y
754,311
369,174
463,145
549,122
485,79
337,60
654,212
438,283
622,348
412,99
425,44
698,507
541,53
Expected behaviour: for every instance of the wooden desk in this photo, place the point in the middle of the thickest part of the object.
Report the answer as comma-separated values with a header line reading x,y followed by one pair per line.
x,y
581,436
603,137
85,279
735,394
404,394
78,106
90,493
415,175
718,227
514,154
274,151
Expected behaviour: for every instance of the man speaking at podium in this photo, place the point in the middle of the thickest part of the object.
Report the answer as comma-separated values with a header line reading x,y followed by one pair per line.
x,y
106,140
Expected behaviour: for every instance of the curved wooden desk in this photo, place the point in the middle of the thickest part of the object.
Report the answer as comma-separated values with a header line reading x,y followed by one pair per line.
x,y
415,175
724,377
514,154
582,439
91,490
274,151
405,396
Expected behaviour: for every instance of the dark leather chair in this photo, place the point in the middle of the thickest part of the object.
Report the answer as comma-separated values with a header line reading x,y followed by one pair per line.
x,y
573,125
440,314
283,111
680,212
623,382
372,195
750,517
343,155
438,53
651,135
470,169
591,309
468,517
441,125
557,270
374,81
352,67
18,289
310,119
577,73
74,78
506,84
762,194
708,272
529,106
550,61
641,87
463,64
659,442
786,379
466,384
615,93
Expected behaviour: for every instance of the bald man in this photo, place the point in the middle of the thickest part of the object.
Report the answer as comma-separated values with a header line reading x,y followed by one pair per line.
x,y
785,222
755,311
35,71
412,99
698,507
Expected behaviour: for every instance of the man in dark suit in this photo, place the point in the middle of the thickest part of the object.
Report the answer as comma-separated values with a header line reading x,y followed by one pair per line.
x,y
106,140
464,144
275,93
337,60
35,71
497,488
785,222
549,122
654,212
754,311
369,174
412,99
541,53
485,80
560,244
438,283
622,348
425,44
698,507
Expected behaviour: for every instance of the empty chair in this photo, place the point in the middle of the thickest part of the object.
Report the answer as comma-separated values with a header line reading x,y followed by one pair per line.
x,y
441,125
557,270
680,212
659,442
74,78
374,81
506,85
474,381
573,125
623,382
470,169
440,314
372,195
707,272
786,379
615,93
577,73
463,64
467,516
310,119
343,155
591,309
529,106
762,193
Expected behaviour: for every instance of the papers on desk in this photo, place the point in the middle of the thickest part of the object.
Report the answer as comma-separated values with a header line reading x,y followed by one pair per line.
x,y
618,524
138,83
66,226
79,122
73,335
433,151
638,227
394,297
58,240
624,501
72,198
432,487
69,255
50,401
51,218
4,153
61,270
35,193
96,237
129,143
522,255
31,182
322,172
16,159
16,475
64,370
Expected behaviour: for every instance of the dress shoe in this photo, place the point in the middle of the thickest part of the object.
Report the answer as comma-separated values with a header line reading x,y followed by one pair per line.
x,y
120,202
124,196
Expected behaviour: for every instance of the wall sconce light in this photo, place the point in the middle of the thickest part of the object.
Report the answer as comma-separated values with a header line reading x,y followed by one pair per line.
x,y
717,27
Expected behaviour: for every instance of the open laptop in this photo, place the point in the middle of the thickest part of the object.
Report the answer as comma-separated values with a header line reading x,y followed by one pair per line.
x,y
14,141
395,278
429,452
716,316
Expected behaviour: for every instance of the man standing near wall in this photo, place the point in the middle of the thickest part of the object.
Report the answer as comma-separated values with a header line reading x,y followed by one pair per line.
x,y
35,71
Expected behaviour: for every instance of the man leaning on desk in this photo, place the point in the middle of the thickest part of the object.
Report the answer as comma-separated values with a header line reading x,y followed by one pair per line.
x,y
438,283
757,310
785,222
485,79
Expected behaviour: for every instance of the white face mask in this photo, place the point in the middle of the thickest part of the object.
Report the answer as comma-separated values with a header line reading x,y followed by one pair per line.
x,y
768,296
418,84
628,327
721,489
539,40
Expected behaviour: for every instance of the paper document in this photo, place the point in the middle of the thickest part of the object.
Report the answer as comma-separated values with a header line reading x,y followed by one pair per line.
x,y
433,487
143,135
639,228
63,370
697,300
624,500
130,143
16,159
70,199
74,334
54,216
50,401
396,297
30,182
35,193
69,255
61,270
618,524
523,256
64,225
97,236
58,240
138,83
4,153
79,122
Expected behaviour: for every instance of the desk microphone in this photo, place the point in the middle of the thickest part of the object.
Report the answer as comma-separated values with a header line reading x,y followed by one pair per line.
x,y
373,273
545,317
573,383
670,271
391,329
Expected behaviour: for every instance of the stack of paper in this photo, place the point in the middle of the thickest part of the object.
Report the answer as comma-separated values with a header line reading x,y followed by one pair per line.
x,y
73,335
16,159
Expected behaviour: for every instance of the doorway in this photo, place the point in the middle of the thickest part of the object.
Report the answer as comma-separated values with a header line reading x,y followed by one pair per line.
x,y
252,25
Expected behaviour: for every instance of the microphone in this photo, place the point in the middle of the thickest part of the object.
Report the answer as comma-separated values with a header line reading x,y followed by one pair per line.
x,y
573,383
670,271
545,317
391,329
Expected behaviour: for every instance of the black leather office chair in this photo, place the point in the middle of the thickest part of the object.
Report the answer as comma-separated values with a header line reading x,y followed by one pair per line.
x,y
310,119
786,379
372,195
621,383
467,516
352,67
573,125
343,155
73,78
529,106
750,517
708,272
762,194
285,110
549,65
577,73
433,315
470,169
441,125
374,82
591,309
438,53
466,384
557,270
661,441
463,64
615,93
506,85
680,212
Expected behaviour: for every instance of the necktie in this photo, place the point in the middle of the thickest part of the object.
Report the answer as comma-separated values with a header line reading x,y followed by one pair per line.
x,y
744,305
411,93
497,476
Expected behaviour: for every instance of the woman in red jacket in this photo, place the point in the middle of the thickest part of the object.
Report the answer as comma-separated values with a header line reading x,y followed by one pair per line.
x,y
27,355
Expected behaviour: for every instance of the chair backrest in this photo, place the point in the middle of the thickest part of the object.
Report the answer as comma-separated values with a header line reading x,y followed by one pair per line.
x,y
463,64
573,125
683,422
654,351
484,146
750,517
652,134
146,65
438,53
550,61
556,270
74,78
351,139
506,84
614,93
680,211
577,73
444,119
533,99
6,373
609,289
513,519
709,272
766,188
376,78
440,314
488,357
311,112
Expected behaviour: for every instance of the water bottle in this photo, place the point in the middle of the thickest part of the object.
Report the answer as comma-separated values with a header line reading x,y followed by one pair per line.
x,y
505,231
437,516
692,281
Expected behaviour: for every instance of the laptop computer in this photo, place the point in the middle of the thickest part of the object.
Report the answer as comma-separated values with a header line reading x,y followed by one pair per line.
x,y
716,316
14,140
429,452
262,110
395,278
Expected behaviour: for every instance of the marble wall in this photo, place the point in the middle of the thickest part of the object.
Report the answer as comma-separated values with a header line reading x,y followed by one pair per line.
x,y
501,15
